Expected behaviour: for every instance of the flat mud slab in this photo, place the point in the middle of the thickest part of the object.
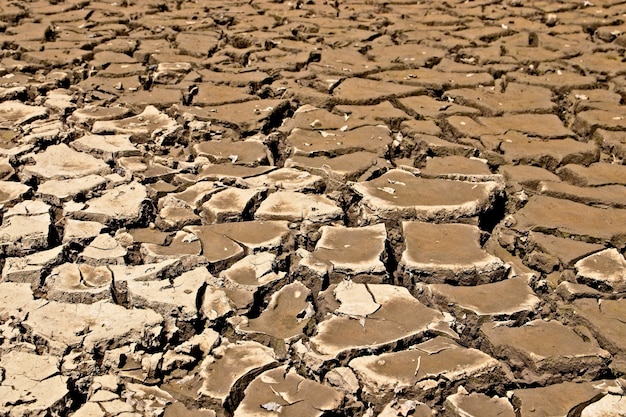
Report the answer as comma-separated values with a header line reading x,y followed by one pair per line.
x,y
312,208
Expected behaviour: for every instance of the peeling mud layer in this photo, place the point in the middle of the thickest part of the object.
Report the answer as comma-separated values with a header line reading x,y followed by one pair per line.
x,y
312,208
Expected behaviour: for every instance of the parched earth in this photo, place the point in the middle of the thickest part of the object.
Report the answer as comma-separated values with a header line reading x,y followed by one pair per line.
x,y
312,208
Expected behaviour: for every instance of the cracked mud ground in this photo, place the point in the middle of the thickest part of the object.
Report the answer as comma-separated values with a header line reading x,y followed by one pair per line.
x,y
309,208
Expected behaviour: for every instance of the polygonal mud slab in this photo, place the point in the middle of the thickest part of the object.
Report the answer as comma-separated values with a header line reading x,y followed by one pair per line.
x,y
606,319
503,298
602,196
339,169
456,167
284,392
31,268
560,399
249,152
366,92
57,192
298,207
11,192
32,385
439,360
343,252
566,218
231,204
79,283
447,253
477,405
79,231
600,173
103,250
541,125
90,114
289,179
92,327
519,148
125,204
396,316
62,162
25,228
567,250
107,147
605,269
219,250
229,369
15,113
546,347
607,406
175,218
149,124
398,194
286,314
516,98
374,139
249,275
177,298
184,246
250,116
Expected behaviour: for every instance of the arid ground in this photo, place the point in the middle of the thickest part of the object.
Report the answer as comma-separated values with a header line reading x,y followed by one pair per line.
x,y
312,208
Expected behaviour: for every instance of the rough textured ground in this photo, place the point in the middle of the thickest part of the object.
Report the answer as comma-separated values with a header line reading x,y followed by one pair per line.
x,y
306,208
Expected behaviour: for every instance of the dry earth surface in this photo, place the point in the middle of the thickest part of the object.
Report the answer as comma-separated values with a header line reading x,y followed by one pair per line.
x,y
312,208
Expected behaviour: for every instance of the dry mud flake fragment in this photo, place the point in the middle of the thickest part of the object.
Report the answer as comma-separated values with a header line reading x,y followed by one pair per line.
x,y
283,392
398,194
405,407
478,405
184,247
230,368
171,299
547,347
457,167
298,207
62,162
149,124
79,283
448,253
15,113
502,298
94,327
350,252
438,359
605,269
567,218
124,204
286,314
560,399
401,317
32,385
